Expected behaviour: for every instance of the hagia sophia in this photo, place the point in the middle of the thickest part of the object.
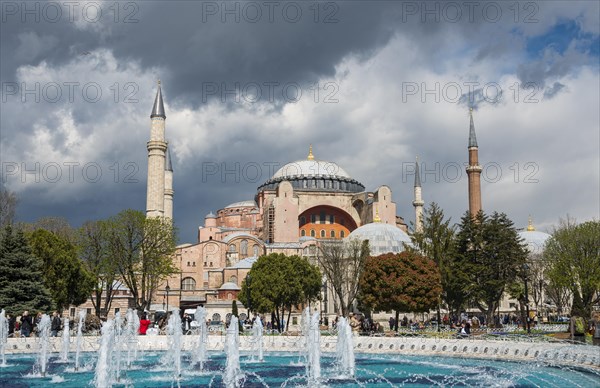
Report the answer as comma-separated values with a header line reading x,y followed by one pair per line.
x,y
305,201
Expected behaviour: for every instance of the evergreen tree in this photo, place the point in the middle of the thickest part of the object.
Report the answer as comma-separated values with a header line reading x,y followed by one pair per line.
x,y
21,278
490,256
234,312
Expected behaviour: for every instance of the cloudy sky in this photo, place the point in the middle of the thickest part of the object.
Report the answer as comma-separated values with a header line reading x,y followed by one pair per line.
x,y
249,85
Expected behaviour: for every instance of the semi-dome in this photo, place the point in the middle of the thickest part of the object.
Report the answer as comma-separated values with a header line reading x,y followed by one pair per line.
x,y
383,238
314,175
249,203
536,241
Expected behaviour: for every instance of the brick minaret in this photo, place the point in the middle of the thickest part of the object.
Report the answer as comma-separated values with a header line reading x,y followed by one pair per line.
x,y
474,171
157,149
418,202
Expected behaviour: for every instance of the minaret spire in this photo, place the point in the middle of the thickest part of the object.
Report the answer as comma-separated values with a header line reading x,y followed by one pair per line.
x,y
310,154
473,170
418,201
157,149
158,110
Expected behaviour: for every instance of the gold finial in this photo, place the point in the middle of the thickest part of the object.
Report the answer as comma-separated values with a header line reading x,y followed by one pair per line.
x,y
159,82
376,219
310,154
530,227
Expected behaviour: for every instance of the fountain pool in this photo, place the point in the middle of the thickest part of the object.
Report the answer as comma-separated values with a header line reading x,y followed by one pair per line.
x,y
284,369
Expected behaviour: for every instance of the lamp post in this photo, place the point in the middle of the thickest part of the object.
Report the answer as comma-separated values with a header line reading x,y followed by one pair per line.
x,y
526,270
248,278
167,289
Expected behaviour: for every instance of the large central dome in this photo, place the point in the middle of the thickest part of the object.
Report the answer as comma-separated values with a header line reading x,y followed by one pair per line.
x,y
310,168
314,175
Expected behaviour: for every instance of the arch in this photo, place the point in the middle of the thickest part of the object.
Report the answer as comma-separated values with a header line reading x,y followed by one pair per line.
x,y
255,250
329,218
232,248
303,233
188,284
312,233
233,279
216,317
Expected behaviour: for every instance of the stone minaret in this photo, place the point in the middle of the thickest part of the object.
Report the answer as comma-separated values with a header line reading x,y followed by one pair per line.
x,y
418,202
169,187
474,171
157,149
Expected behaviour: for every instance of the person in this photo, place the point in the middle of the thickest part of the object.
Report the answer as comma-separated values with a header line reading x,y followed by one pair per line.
x,y
391,321
55,324
186,323
577,328
465,329
144,323
595,329
26,324
11,324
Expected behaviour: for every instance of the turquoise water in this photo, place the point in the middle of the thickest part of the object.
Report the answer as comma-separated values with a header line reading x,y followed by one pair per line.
x,y
286,369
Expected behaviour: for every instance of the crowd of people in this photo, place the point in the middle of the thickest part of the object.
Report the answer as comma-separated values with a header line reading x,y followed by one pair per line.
x,y
26,325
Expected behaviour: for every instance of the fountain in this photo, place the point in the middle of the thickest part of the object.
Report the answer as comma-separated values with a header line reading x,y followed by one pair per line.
x,y
3,337
104,370
313,349
233,373
131,332
118,341
257,339
66,341
82,314
44,334
345,349
200,317
174,334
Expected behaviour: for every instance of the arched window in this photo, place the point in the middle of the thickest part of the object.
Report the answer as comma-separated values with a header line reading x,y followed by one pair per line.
x,y
232,248
302,220
255,250
322,233
229,296
303,233
312,233
233,279
188,284
342,234
244,247
332,235
216,317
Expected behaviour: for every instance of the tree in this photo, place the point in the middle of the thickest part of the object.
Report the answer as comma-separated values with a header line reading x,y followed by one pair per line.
x,y
94,249
66,278
490,256
342,263
573,256
8,206
234,312
402,282
21,285
436,240
142,249
280,282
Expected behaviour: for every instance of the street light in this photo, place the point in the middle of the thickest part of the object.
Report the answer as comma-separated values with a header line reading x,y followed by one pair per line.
x,y
526,269
167,289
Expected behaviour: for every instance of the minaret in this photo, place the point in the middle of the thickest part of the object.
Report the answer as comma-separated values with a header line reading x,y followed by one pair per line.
x,y
157,148
168,187
474,171
418,202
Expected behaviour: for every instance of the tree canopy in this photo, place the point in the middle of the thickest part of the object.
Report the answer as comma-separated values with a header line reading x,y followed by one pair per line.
x,y
21,277
342,263
66,278
490,256
142,249
279,282
573,256
402,282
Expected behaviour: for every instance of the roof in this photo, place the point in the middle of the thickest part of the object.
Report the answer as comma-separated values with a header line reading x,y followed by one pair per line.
x,y
309,168
238,234
536,241
249,203
472,137
168,164
246,263
229,286
158,110
383,238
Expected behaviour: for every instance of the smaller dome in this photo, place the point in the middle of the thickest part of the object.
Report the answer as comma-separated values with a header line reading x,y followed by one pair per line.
x,y
229,286
383,238
536,241
210,215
